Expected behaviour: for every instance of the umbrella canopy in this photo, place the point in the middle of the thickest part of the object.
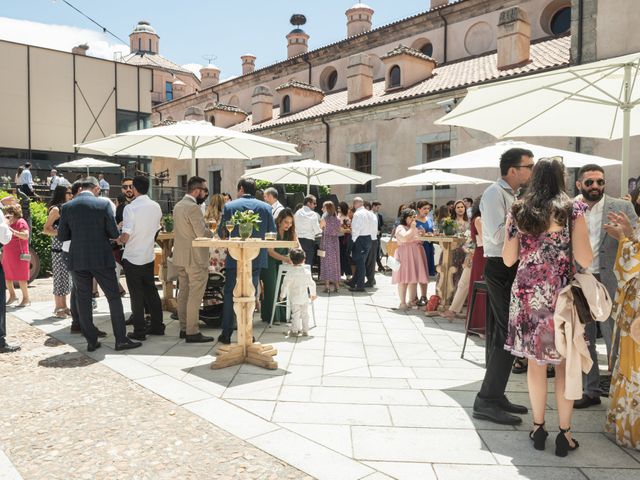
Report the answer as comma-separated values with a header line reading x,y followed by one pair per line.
x,y
598,100
88,162
310,172
435,178
190,139
489,157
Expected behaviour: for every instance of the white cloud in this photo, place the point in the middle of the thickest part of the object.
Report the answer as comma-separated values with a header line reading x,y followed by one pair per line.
x,y
59,37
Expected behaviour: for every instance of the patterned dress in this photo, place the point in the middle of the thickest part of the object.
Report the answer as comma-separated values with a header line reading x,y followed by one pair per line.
x,y
61,275
623,416
543,271
330,263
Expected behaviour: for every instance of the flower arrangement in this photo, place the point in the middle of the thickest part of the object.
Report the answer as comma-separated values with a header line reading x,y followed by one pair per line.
x,y
167,223
448,226
247,221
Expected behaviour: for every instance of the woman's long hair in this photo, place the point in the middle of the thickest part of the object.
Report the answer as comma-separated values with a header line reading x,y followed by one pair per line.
x,y
291,233
465,217
546,199
214,210
59,196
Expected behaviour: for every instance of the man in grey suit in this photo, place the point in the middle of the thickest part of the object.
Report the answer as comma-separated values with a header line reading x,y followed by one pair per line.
x,y
192,263
591,184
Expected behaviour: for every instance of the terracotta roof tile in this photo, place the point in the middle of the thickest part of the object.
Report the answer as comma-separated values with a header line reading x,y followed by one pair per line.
x,y
299,84
404,50
154,60
546,54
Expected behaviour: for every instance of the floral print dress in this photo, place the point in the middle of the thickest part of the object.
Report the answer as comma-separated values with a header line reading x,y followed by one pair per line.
x,y
543,271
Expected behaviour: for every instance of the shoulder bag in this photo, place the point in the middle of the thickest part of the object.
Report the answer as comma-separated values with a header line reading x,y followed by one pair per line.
x,y
580,302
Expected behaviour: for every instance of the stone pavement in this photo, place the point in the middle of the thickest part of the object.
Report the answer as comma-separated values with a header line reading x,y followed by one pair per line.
x,y
373,393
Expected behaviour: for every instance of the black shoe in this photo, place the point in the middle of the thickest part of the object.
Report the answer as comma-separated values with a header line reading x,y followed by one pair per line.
x,y
539,436
137,335
183,334
422,302
356,289
198,338
605,385
92,347
370,285
586,401
6,348
128,344
509,407
349,283
129,320
494,413
75,329
519,366
174,316
224,339
563,447
159,330
100,333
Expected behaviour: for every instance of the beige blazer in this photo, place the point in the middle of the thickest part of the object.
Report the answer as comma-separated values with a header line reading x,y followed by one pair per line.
x,y
569,332
188,224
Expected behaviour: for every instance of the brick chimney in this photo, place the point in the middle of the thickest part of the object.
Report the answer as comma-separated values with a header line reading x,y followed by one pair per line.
x,y
297,42
261,105
80,49
209,76
248,63
514,38
179,88
359,77
438,3
358,19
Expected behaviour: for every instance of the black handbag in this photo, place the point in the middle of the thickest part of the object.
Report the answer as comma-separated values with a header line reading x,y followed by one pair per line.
x,y
580,302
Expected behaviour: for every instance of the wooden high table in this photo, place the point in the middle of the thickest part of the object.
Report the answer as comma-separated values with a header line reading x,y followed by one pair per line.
x,y
446,271
169,303
244,302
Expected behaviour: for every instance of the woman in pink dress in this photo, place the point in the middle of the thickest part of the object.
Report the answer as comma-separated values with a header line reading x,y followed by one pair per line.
x,y
410,254
15,268
330,263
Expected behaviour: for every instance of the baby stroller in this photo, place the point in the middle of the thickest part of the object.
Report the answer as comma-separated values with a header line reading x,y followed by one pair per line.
x,y
213,300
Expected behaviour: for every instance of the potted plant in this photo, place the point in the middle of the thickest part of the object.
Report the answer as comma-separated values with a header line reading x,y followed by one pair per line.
x,y
167,223
448,226
247,221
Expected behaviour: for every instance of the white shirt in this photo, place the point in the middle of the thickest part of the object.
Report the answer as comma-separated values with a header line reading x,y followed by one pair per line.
x,y
5,231
372,224
55,181
298,285
276,208
307,223
360,223
26,178
593,216
104,185
141,220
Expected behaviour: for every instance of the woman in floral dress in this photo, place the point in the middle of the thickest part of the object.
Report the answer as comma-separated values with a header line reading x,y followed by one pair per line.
x,y
330,263
538,236
623,416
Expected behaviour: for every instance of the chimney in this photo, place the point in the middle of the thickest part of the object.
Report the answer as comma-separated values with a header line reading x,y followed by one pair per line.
x,y
438,3
297,38
80,49
209,76
359,77
193,113
248,63
358,19
261,105
514,38
179,88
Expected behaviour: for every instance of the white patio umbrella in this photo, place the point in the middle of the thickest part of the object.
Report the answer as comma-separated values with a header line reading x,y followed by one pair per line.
x,y
310,172
598,100
190,139
88,162
435,178
489,157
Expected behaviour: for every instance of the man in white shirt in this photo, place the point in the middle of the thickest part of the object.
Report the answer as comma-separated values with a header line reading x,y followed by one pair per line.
x,y
361,240
26,181
104,185
141,223
54,181
5,237
372,225
271,197
307,225
591,184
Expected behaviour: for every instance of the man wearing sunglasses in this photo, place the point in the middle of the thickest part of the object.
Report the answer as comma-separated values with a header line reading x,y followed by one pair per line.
x,y
591,186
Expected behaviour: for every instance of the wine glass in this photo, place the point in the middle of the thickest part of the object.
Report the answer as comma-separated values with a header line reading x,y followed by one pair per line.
x,y
230,226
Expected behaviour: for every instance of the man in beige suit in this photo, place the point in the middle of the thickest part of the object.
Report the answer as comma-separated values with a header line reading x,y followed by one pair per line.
x,y
192,263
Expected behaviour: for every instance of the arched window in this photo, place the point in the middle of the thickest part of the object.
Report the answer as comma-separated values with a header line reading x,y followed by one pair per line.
x,y
394,77
328,79
150,49
427,49
561,21
139,44
286,104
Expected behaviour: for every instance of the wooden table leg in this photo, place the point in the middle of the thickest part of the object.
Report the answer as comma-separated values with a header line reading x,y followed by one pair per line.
x,y
446,275
168,300
244,304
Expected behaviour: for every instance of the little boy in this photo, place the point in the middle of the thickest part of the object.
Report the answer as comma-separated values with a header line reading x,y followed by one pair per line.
x,y
298,286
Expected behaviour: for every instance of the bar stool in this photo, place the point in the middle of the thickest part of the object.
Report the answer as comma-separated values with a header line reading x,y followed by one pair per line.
x,y
282,271
479,286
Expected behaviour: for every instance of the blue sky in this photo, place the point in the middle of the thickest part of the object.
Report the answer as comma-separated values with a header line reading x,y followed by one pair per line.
x,y
192,29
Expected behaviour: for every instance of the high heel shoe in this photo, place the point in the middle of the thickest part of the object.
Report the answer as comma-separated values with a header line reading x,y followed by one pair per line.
x,y
563,447
538,435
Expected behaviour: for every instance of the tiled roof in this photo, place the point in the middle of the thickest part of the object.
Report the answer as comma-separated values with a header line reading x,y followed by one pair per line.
x,y
154,60
404,50
546,54
226,108
299,84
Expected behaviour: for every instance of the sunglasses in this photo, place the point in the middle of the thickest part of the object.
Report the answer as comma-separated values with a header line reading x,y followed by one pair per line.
x,y
127,187
600,182
530,167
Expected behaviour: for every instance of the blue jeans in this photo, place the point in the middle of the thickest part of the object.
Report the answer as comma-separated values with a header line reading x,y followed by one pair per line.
x,y
228,323
359,254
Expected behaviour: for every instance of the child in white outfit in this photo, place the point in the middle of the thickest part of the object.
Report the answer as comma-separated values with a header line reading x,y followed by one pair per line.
x,y
298,286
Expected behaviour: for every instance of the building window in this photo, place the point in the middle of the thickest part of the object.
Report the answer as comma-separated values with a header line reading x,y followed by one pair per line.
x,y
286,104
139,44
182,181
427,49
212,119
127,121
150,49
561,21
328,79
361,162
168,91
394,77
436,151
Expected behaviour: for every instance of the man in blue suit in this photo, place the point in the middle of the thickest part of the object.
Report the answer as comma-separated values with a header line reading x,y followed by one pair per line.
x,y
89,223
245,201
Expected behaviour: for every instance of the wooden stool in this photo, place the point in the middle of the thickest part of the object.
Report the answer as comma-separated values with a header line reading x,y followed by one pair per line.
x,y
479,286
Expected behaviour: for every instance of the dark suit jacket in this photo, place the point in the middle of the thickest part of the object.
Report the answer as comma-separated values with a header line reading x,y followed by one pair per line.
x,y
247,202
89,223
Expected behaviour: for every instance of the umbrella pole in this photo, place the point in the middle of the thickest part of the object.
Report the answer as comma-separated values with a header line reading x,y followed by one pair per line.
x,y
433,195
308,185
193,167
626,130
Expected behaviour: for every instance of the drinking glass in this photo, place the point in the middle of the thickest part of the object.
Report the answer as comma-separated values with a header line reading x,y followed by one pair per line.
x,y
230,226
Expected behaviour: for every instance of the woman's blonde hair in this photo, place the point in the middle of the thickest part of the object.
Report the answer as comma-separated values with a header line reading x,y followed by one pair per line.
x,y
15,210
214,210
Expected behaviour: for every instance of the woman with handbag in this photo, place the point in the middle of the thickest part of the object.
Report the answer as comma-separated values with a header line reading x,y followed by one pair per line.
x,y
412,259
538,235
623,416
15,255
